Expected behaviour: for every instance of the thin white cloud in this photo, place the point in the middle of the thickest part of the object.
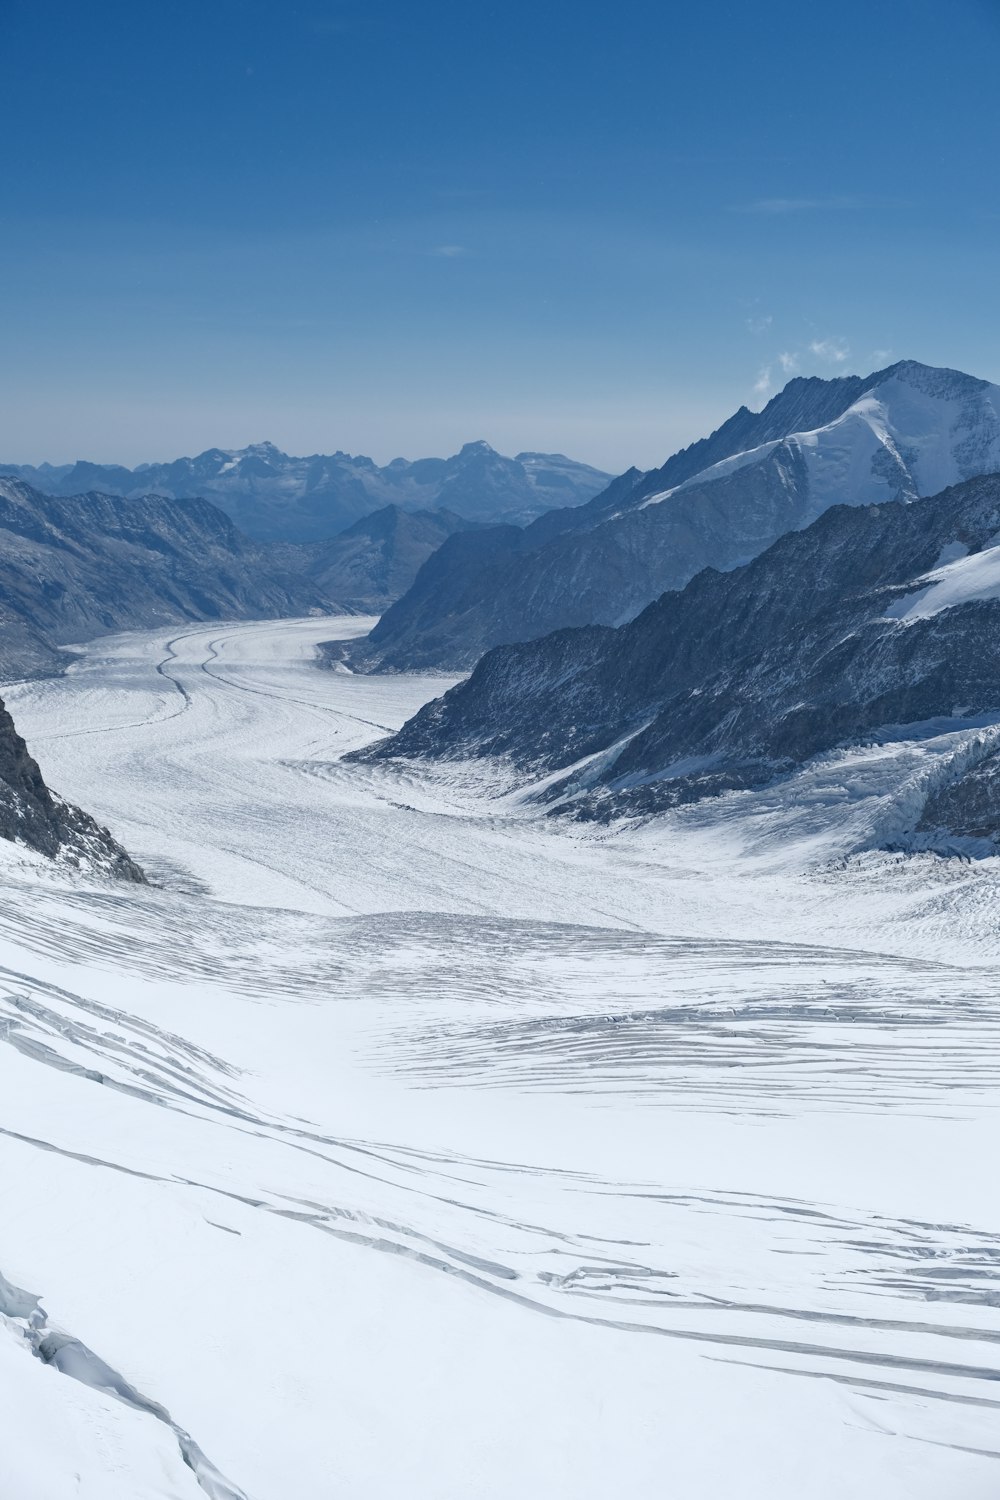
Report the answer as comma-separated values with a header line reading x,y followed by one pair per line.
x,y
794,205
789,362
881,356
760,324
762,384
830,351
448,252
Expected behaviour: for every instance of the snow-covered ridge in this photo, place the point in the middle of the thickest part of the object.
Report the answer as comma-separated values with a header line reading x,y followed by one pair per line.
x,y
916,432
897,434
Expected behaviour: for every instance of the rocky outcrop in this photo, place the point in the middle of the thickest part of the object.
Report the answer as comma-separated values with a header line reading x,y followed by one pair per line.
x,y
420,630
965,811
31,815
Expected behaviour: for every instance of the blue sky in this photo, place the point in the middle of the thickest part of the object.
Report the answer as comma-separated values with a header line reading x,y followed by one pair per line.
x,y
392,228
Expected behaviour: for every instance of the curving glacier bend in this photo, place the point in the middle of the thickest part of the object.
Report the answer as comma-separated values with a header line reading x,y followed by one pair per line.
x,y
401,1143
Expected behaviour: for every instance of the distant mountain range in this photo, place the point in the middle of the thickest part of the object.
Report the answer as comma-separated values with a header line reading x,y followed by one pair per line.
x,y
274,497
902,432
877,621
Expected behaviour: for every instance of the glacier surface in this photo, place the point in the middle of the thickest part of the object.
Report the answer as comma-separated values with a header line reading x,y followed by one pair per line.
x,y
399,1143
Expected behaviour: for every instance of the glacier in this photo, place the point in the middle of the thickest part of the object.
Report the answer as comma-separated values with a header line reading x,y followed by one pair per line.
x,y
400,1141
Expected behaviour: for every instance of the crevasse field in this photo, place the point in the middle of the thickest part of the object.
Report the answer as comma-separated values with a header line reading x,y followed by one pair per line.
x,y
402,1142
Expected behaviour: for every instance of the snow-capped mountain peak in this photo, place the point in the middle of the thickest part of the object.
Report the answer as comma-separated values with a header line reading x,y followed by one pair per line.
x,y
900,433
915,430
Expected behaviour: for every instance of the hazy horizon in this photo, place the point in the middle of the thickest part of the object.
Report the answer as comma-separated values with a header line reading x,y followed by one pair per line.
x,y
382,456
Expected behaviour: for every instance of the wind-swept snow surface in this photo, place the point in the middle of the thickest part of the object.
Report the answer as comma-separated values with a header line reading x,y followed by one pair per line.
x,y
401,1144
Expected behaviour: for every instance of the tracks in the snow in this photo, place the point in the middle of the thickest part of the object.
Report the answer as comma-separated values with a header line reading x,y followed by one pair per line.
x,y
808,1287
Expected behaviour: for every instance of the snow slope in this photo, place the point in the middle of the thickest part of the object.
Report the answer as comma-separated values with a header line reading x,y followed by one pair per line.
x,y
916,432
958,581
401,1144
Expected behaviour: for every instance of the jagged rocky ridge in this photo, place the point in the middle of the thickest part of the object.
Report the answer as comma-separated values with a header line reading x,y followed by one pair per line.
x,y
902,432
874,616
32,815
274,496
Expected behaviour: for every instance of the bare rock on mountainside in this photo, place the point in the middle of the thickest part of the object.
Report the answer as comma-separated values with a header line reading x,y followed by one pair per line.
x,y
874,622
79,566
87,565
964,813
31,815
903,432
368,566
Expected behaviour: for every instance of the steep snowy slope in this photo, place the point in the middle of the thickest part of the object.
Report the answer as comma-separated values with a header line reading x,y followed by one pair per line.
x,y
914,431
900,433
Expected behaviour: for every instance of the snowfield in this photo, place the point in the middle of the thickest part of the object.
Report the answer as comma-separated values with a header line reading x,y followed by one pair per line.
x,y
403,1142
960,580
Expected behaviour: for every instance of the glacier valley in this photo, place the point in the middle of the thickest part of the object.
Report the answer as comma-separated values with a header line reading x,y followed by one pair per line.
x,y
400,1141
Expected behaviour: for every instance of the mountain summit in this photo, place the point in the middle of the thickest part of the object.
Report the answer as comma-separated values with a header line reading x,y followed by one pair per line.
x,y
903,432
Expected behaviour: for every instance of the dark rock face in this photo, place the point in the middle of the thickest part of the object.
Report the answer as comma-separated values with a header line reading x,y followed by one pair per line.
x,y
604,561
376,560
83,566
31,815
742,676
77,567
968,808
275,497
418,631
